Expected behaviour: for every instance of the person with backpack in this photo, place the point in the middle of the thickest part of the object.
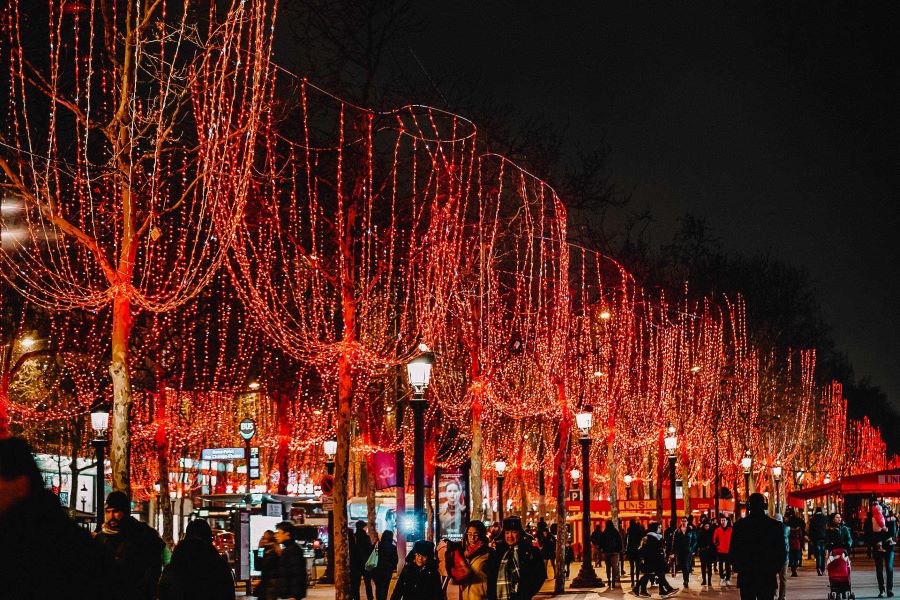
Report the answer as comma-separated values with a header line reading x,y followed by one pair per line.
x,y
817,526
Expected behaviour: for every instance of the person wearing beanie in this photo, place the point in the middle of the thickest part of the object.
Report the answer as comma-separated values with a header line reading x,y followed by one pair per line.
x,y
419,579
197,570
516,570
43,553
361,548
132,552
758,551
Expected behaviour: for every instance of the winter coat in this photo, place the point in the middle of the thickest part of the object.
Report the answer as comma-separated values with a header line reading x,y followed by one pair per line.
x,y
633,537
418,583
43,554
474,585
197,571
267,565
653,559
291,572
722,539
548,546
681,543
387,560
597,537
817,525
612,541
757,550
838,537
532,572
133,560
361,547
705,546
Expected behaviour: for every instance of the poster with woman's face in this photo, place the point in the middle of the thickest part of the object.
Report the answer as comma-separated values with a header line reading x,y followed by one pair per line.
x,y
452,505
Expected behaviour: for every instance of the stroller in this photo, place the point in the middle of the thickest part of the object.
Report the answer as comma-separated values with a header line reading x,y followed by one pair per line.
x,y
838,567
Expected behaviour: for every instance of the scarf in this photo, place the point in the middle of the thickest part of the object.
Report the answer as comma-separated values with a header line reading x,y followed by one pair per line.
x,y
471,549
109,531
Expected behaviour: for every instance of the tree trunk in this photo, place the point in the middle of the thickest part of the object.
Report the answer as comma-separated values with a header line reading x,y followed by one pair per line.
x,y
559,585
370,504
282,403
613,480
429,515
685,490
120,449
73,466
341,468
475,457
542,495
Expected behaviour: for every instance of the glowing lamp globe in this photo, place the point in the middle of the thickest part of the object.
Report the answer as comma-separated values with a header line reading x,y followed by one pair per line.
x,y
418,369
628,479
500,467
99,421
330,447
671,440
576,474
747,462
776,471
584,420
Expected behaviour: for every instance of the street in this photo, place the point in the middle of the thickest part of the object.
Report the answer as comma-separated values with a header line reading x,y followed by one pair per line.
x,y
807,586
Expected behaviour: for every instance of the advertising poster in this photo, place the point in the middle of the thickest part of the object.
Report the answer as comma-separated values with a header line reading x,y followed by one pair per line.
x,y
452,505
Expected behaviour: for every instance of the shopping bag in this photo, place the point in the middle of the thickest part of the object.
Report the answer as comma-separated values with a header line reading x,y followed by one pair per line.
x,y
372,561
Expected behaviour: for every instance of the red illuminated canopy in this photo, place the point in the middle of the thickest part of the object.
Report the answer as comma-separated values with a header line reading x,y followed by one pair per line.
x,y
880,483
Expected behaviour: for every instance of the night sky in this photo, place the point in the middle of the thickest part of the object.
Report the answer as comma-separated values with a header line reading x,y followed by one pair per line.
x,y
778,125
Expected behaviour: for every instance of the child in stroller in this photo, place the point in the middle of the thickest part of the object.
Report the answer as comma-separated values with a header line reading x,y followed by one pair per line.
x,y
838,567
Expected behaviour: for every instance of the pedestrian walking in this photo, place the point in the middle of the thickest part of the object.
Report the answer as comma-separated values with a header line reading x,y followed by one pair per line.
x,y
796,533
419,579
515,571
681,549
611,544
361,548
597,546
707,552
197,571
633,537
43,553
291,577
132,552
385,565
547,543
883,544
653,563
469,569
817,528
722,542
837,535
267,564
757,551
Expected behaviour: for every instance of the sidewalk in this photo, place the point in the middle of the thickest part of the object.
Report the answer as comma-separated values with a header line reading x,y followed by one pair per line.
x,y
808,586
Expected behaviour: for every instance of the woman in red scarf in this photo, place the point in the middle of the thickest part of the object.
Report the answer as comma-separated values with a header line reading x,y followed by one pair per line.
x,y
469,566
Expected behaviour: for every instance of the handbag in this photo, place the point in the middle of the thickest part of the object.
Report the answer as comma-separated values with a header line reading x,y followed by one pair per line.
x,y
372,561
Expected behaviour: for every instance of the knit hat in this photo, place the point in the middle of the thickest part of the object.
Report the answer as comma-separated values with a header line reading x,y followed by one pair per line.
x,y
119,501
512,524
424,547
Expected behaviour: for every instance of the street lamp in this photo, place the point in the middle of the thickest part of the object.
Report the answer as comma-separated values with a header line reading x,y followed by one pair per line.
x,y
746,463
628,479
776,473
418,370
586,577
330,449
671,442
100,425
500,467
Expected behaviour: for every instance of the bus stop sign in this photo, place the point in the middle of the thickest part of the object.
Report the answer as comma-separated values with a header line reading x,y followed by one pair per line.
x,y
247,428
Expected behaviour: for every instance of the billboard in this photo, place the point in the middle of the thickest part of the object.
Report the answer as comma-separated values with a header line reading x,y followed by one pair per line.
x,y
452,510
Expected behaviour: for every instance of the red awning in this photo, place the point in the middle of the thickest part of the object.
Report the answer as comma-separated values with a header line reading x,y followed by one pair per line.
x,y
880,483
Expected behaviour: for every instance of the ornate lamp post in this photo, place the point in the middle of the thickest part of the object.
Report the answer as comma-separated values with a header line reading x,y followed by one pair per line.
x,y
100,425
776,473
330,449
586,577
419,372
500,467
746,463
628,479
671,442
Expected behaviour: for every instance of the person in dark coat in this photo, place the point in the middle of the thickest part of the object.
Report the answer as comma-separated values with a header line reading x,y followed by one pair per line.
x,y
547,543
361,547
817,526
291,572
132,552
197,571
419,579
516,571
681,548
611,545
633,537
43,554
707,552
758,551
387,564
653,563
267,564
597,546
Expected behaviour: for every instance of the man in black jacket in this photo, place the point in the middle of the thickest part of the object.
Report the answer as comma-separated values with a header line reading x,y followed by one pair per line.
x,y
515,571
43,554
757,551
291,573
132,552
361,547
817,525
